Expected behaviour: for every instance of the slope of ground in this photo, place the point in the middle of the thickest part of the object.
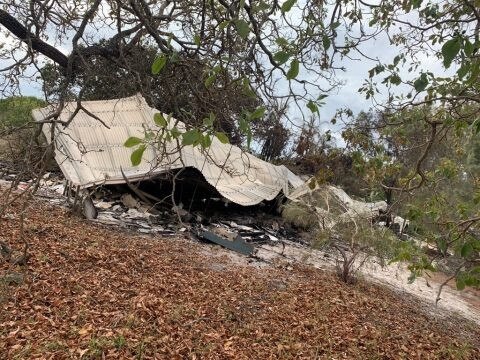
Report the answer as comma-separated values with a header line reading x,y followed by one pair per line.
x,y
91,292
395,276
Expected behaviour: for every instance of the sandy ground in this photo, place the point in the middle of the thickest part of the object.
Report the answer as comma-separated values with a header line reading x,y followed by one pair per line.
x,y
465,303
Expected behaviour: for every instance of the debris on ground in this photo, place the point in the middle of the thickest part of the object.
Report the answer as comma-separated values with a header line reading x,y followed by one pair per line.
x,y
238,244
310,206
86,159
192,210
98,292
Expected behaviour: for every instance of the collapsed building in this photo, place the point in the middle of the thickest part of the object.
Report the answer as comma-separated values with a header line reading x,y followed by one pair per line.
x,y
91,153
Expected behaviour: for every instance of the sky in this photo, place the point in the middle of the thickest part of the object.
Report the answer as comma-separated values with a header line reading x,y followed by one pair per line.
x,y
345,96
356,72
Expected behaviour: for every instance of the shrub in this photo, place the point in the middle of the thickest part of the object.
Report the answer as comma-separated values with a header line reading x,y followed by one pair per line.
x,y
20,149
16,111
300,215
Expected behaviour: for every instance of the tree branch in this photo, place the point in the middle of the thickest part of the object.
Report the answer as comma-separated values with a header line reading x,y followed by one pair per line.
x,y
21,32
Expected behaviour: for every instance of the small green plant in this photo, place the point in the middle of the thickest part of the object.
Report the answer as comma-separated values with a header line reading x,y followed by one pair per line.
x,y
459,352
23,353
140,350
119,342
356,240
55,345
96,346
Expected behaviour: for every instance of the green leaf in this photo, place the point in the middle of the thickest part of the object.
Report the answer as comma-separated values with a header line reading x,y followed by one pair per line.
x,y
132,141
149,135
208,121
464,69
197,40
460,283
249,139
175,132
287,5
191,137
245,128
326,42
210,80
322,96
258,113
421,83
206,141
159,64
160,120
247,89
281,57
223,24
466,250
242,28
261,6
243,125
449,50
222,137
474,73
416,3
395,79
335,25
282,42
294,69
396,60
136,157
468,47
312,106
379,68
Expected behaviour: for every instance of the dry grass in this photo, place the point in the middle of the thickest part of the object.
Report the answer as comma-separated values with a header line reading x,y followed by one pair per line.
x,y
300,216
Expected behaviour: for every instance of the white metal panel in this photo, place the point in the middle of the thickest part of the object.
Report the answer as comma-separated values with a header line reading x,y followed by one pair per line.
x,y
89,153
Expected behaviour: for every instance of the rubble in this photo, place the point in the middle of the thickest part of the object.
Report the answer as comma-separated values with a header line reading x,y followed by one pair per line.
x,y
238,244
87,160
129,201
89,210
333,205
202,213
225,176
103,205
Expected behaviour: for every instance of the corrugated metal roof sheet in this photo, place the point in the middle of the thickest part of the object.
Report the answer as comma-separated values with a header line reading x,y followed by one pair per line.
x,y
90,153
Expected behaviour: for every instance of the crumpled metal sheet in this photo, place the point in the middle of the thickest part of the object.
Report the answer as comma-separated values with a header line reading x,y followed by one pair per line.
x,y
90,153
238,244
351,208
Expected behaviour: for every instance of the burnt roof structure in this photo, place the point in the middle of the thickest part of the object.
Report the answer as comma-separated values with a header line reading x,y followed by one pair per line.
x,y
92,152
